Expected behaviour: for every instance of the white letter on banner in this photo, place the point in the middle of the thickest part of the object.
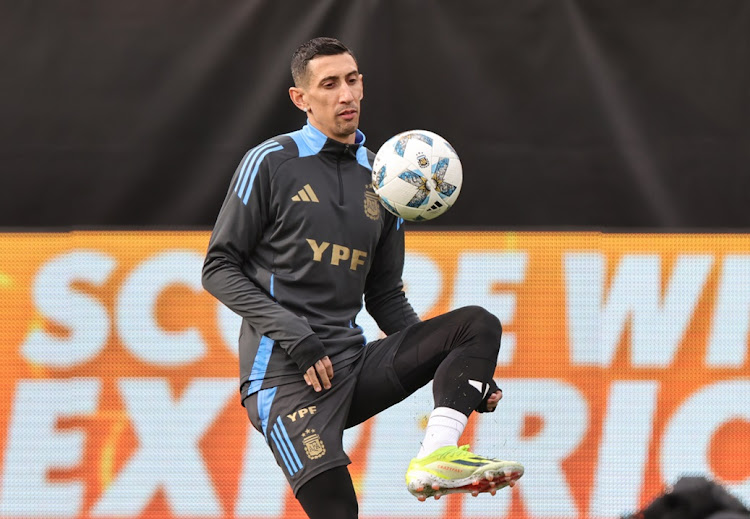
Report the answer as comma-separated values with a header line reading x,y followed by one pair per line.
x,y
34,448
688,435
728,344
396,437
423,284
623,451
565,418
584,285
136,319
477,272
85,317
168,434
657,326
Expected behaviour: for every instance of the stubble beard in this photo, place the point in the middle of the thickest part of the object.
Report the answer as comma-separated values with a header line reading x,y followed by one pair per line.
x,y
347,128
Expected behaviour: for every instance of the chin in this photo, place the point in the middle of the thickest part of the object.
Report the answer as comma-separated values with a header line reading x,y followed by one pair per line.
x,y
349,128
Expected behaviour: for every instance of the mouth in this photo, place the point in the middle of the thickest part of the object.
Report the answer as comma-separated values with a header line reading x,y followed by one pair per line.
x,y
348,114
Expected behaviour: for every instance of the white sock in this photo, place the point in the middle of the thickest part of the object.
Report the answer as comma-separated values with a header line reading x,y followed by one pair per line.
x,y
443,428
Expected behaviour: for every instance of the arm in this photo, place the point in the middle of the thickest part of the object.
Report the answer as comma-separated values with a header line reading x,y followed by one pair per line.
x,y
384,295
239,228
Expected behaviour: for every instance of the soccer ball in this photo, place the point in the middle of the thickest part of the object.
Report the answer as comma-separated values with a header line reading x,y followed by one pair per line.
x,y
417,175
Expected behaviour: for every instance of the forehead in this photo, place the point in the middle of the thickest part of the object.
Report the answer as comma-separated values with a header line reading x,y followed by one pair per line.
x,y
331,66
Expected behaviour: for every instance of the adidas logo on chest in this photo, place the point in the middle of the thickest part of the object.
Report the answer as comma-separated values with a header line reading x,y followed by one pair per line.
x,y
306,194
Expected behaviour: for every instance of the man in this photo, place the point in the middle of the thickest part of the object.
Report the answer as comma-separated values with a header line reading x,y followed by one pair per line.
x,y
297,245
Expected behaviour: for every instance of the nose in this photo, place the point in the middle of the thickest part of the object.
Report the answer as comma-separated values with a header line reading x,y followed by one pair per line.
x,y
346,95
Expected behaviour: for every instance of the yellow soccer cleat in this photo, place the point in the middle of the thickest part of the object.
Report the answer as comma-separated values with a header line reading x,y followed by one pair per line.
x,y
452,470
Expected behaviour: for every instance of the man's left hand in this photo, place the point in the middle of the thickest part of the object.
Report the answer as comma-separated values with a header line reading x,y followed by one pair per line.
x,y
493,400
490,402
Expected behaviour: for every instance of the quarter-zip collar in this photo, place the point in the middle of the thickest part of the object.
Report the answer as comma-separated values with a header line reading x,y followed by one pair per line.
x,y
311,141
318,140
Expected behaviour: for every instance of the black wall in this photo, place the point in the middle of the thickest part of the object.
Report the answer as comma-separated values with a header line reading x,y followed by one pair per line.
x,y
627,114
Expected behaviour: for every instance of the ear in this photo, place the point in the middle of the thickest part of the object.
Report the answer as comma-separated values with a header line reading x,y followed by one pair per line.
x,y
297,95
361,80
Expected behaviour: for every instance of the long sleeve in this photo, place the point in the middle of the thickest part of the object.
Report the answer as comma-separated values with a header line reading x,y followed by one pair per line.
x,y
385,299
239,228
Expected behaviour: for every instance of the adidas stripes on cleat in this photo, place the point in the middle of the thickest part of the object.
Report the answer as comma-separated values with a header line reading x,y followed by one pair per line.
x,y
451,470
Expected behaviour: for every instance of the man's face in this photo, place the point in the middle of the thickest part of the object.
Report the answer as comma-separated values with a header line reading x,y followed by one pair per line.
x,y
332,95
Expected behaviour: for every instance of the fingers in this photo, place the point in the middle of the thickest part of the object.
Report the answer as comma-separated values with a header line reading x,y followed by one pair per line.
x,y
319,375
329,366
312,379
493,400
323,375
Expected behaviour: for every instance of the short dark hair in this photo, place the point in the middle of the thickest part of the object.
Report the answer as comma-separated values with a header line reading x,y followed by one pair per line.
x,y
321,46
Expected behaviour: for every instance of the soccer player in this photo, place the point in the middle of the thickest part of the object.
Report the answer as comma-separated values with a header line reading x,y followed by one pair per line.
x,y
299,242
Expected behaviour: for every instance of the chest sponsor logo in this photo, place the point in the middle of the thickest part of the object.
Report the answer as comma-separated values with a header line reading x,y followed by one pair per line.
x,y
372,204
337,254
314,447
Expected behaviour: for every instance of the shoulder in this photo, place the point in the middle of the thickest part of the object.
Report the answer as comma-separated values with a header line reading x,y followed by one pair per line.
x,y
297,144
365,157
277,148
267,156
259,161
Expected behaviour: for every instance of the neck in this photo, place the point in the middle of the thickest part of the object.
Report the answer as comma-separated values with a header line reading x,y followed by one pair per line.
x,y
345,139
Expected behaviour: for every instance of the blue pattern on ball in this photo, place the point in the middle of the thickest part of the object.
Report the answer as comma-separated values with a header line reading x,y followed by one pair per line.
x,y
400,145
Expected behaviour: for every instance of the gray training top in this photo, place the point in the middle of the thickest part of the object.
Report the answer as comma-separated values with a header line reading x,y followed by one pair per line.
x,y
300,238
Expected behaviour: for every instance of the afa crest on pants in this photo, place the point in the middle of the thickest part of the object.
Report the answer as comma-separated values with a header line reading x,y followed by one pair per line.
x,y
314,447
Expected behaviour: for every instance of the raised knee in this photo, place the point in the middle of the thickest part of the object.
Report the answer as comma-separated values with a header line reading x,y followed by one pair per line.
x,y
482,320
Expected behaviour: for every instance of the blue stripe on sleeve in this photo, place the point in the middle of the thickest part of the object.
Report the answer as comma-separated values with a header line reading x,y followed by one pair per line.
x,y
239,188
255,171
254,387
260,364
243,168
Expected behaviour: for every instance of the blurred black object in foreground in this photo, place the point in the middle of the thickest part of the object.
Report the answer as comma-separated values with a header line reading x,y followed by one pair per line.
x,y
694,498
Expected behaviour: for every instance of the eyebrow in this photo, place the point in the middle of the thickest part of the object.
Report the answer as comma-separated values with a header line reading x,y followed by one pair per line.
x,y
329,78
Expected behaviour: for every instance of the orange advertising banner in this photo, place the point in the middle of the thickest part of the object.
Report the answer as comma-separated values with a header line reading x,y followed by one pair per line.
x,y
624,365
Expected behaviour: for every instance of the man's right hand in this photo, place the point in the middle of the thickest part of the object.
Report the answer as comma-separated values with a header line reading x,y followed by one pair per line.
x,y
319,374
